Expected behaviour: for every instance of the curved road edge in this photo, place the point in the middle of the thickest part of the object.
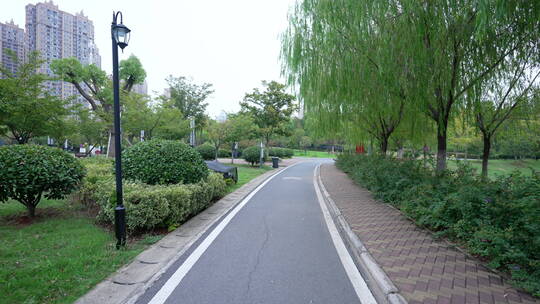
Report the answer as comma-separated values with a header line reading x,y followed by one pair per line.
x,y
382,288
127,284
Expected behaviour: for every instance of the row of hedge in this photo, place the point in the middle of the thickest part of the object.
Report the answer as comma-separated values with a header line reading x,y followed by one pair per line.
x,y
148,206
281,152
498,220
208,152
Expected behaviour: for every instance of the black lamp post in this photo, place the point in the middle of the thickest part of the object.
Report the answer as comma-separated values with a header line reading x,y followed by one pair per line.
x,y
120,38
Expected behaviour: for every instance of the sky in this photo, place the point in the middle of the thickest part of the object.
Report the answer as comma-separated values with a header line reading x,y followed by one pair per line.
x,y
233,44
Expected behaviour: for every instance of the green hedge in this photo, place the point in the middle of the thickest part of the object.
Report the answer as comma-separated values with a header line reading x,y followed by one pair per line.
x,y
498,220
147,206
207,151
152,206
252,155
163,162
281,152
222,153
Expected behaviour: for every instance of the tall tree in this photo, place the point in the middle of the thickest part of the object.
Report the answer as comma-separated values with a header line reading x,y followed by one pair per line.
x,y
158,118
350,77
26,107
496,99
270,109
442,49
189,98
131,72
96,88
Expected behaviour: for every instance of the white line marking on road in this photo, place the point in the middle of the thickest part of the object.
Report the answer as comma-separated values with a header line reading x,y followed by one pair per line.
x,y
161,296
360,287
292,178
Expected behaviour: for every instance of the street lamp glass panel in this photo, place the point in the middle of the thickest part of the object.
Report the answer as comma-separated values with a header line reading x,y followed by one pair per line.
x,y
121,35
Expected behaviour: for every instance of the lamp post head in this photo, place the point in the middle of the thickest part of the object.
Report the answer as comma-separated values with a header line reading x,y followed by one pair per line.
x,y
121,35
120,32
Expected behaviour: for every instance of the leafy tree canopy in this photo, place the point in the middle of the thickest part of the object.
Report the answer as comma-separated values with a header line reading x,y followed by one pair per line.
x,y
271,109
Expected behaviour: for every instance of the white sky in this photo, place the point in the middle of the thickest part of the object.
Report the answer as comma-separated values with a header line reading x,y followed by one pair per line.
x,y
233,44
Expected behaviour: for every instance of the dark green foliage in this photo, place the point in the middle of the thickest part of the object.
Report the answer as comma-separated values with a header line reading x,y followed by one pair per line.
x,y
163,162
252,155
498,220
281,152
153,206
207,151
28,172
222,153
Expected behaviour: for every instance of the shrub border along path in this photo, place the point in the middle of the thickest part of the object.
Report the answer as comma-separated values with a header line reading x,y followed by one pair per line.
x,y
424,270
129,282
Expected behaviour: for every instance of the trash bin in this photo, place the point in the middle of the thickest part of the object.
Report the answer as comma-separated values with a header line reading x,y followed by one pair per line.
x,y
275,162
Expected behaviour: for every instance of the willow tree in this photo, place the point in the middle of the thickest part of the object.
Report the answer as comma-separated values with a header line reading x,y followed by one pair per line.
x,y
349,67
496,99
442,49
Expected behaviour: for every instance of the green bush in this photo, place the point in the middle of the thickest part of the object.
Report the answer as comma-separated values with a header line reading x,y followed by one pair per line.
x,y
207,151
163,162
222,153
153,206
281,152
99,170
28,172
252,155
498,220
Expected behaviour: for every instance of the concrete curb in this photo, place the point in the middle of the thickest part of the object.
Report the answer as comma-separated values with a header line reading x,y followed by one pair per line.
x,y
379,283
127,284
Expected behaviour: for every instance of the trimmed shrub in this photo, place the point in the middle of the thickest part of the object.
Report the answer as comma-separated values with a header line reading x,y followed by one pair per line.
x,y
207,151
99,170
281,152
28,172
222,153
163,162
252,155
497,219
153,206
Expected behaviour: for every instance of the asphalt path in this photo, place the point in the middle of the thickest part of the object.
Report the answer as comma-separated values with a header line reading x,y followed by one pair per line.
x,y
276,249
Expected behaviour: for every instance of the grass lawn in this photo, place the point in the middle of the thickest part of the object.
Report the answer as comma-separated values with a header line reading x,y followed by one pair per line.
x,y
497,167
245,174
317,154
57,257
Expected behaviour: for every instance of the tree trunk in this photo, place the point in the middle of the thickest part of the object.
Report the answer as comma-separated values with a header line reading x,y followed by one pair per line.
x,y
441,150
110,146
31,210
384,144
485,155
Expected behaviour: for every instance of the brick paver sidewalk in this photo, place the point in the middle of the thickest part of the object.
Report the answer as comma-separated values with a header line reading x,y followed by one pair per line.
x,y
425,270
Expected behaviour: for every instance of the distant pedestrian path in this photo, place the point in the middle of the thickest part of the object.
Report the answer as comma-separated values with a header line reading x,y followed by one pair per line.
x,y
425,270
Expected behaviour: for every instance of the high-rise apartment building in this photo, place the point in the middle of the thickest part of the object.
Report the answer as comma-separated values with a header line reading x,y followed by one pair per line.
x,y
57,34
11,38
140,88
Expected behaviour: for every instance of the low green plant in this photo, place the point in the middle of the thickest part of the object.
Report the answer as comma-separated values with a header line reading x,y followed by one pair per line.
x,y
496,219
222,153
207,151
30,172
163,162
252,155
152,206
281,152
